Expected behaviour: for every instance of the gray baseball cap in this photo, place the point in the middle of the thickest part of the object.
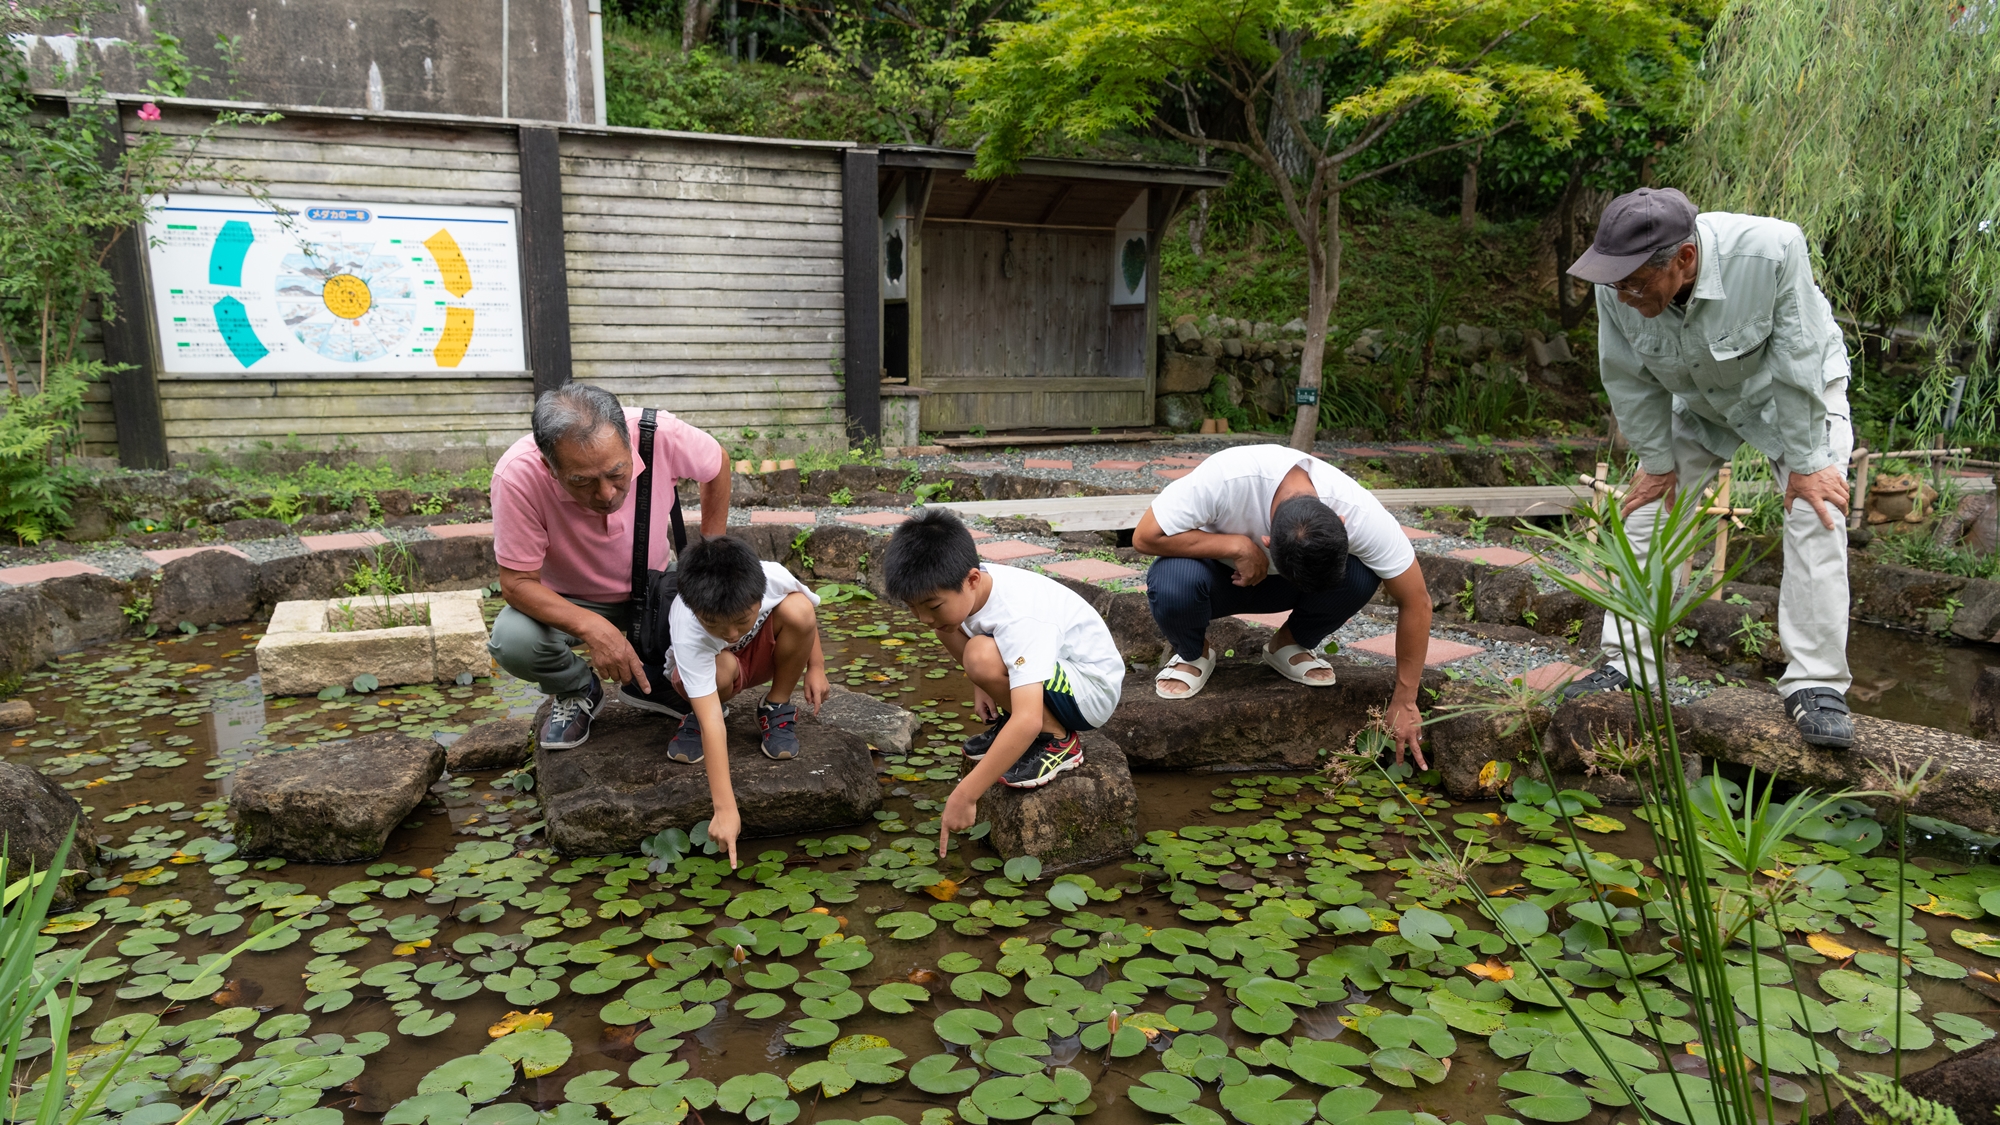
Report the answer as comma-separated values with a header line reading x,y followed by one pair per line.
x,y
1633,228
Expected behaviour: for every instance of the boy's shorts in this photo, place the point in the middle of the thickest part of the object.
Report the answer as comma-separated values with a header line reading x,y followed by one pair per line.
x,y
756,662
1061,703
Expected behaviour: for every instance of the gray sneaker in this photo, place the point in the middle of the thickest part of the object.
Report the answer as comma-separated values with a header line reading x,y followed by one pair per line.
x,y
568,724
1606,678
1822,717
685,747
779,722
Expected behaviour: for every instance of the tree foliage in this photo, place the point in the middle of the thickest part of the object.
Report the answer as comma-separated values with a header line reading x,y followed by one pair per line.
x,y
1315,89
1869,123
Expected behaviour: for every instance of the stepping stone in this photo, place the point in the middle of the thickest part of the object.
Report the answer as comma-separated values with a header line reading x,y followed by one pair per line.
x,y
1248,716
35,815
979,466
42,572
167,556
344,540
498,745
461,530
1172,474
1183,460
877,519
1441,651
619,788
1550,675
887,727
1413,449
1047,463
1091,570
1359,452
1120,466
1415,533
335,802
1268,620
762,516
1002,550
1083,819
1494,556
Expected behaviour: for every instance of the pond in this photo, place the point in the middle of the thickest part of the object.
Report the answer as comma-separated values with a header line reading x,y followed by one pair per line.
x,y
1912,678
1284,948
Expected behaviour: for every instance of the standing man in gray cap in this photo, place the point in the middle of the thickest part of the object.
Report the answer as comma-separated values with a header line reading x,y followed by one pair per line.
x,y
1711,333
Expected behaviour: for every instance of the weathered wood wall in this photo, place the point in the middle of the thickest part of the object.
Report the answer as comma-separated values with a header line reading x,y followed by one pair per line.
x,y
704,279
1018,330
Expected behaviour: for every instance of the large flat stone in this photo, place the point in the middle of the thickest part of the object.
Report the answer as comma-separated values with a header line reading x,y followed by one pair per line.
x,y
1751,728
35,816
1581,736
884,725
84,610
332,803
1249,717
1085,818
620,788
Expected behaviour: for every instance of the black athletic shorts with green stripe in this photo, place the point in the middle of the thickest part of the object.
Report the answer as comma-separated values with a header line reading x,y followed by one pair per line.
x,y
1061,703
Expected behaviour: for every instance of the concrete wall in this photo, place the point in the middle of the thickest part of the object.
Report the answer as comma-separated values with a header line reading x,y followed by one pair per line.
x,y
434,56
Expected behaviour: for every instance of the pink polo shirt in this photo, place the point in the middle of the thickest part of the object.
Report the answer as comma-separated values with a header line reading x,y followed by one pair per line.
x,y
536,526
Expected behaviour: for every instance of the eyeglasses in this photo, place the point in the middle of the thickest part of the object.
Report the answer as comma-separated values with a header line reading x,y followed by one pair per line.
x,y
1630,289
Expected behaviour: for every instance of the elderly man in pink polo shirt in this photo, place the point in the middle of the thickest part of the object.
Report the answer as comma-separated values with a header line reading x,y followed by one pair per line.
x,y
563,518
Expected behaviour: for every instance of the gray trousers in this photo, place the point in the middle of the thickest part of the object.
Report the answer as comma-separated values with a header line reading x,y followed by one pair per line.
x,y
1812,599
530,650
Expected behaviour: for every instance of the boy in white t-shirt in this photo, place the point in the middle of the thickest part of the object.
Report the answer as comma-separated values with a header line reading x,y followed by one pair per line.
x,y
1022,638
1267,529
738,622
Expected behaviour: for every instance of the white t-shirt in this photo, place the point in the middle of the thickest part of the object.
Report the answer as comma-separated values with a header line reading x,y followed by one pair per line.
x,y
1038,623
1230,494
695,647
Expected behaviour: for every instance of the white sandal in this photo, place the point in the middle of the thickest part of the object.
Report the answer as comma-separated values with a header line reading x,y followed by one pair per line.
x,y
1195,681
1282,661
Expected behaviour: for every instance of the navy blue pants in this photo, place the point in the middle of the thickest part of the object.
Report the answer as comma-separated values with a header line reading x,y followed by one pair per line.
x,y
1187,594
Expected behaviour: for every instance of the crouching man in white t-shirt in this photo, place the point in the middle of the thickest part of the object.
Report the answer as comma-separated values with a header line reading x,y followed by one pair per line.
x,y
1267,529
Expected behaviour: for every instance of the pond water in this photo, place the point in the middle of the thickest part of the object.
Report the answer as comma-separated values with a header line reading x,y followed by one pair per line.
x,y
1267,956
1912,678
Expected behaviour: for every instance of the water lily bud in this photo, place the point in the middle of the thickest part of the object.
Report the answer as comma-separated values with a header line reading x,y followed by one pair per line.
x,y
1112,1022
740,955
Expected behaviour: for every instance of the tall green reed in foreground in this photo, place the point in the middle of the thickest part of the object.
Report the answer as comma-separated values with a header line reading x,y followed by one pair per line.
x,y
1710,852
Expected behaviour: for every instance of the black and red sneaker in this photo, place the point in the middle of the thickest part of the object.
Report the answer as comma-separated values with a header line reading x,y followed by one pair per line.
x,y
781,739
1048,757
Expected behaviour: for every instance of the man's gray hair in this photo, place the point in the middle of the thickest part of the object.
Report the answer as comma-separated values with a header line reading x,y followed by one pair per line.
x,y
574,412
1666,254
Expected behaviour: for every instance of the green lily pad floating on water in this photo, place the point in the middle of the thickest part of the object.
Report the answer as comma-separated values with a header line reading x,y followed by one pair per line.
x,y
539,1051
1260,1100
1549,1098
478,1078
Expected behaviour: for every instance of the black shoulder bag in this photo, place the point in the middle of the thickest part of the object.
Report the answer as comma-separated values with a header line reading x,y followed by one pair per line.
x,y
653,591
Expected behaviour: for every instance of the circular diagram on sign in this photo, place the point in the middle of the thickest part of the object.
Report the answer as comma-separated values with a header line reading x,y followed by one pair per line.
x,y
348,301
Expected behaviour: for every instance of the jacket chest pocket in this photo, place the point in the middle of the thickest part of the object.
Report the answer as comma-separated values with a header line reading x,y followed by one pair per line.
x,y
1661,353
1740,342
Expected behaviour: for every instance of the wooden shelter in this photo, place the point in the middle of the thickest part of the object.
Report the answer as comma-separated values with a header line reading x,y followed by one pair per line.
x,y
1028,300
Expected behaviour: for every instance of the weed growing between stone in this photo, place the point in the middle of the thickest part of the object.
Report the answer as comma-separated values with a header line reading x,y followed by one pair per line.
x,y
1281,950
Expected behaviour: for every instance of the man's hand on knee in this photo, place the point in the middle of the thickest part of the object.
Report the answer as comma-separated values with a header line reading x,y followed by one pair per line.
x,y
1646,488
1825,491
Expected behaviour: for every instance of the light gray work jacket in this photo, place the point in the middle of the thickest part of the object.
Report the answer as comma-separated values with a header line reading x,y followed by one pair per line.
x,y
1749,360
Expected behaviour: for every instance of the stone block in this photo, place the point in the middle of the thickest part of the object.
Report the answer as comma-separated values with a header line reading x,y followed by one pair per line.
x,y
1580,726
316,574
1549,352
1979,618
1085,818
1185,330
84,610
313,645
207,587
837,552
1461,745
619,788
238,530
1897,593
1181,373
25,637
35,816
500,744
1248,717
454,562
1501,594
16,713
1985,703
1750,728
1178,412
887,727
335,802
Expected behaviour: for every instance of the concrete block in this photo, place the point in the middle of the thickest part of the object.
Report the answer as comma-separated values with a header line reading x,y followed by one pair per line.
x,y
314,645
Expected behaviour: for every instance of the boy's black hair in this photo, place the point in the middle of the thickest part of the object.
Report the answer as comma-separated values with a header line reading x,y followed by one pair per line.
x,y
930,553
1309,544
720,577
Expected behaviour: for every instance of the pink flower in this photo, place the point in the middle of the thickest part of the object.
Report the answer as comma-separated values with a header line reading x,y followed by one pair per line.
x,y
149,112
